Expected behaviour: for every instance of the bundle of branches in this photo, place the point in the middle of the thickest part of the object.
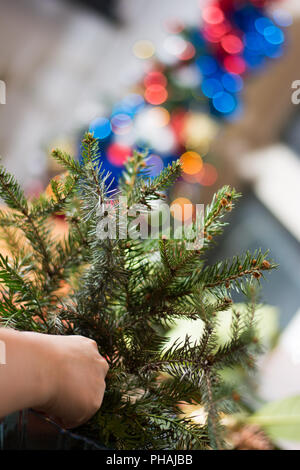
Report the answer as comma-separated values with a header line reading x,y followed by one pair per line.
x,y
125,292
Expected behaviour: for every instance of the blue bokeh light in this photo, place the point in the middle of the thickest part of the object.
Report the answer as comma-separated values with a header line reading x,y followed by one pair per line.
x,y
207,64
232,82
262,23
254,41
100,127
224,102
254,59
274,35
211,86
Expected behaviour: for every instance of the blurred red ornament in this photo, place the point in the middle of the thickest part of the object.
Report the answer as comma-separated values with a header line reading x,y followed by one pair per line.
x,y
232,44
156,94
117,154
234,64
216,32
155,78
213,14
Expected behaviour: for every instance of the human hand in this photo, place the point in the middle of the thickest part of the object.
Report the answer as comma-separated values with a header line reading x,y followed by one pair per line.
x,y
75,381
61,376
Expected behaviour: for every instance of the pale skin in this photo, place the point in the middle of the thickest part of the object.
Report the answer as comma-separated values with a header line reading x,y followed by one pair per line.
x,y
61,376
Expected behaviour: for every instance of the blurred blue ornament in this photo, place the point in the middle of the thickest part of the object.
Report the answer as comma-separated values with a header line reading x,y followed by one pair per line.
x,y
254,41
207,64
224,102
232,82
262,23
100,127
274,35
211,86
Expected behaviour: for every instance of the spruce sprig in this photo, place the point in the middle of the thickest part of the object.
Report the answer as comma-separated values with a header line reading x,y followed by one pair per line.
x,y
125,294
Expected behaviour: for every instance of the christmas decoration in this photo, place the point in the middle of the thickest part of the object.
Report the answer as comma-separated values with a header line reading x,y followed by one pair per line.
x,y
124,292
191,85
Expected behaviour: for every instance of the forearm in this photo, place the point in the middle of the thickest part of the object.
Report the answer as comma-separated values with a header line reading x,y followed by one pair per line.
x,y
22,377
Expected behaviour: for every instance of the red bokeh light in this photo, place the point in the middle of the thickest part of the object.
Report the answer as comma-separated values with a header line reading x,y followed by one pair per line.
x,y
234,64
155,78
156,94
214,33
117,154
232,44
213,15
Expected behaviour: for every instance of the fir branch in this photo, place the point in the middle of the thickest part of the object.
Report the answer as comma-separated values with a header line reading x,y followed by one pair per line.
x,y
67,162
11,192
124,294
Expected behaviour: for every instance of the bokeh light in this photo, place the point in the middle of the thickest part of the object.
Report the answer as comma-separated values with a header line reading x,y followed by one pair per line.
x,y
175,45
156,94
188,53
121,123
262,23
100,127
191,162
232,44
187,76
215,34
198,132
207,64
159,116
234,64
155,78
282,17
213,15
156,165
232,82
208,175
117,154
274,35
211,86
254,41
224,102
133,102
143,49
184,211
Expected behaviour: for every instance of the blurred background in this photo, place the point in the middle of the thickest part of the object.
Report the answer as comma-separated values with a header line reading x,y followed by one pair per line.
x,y
207,81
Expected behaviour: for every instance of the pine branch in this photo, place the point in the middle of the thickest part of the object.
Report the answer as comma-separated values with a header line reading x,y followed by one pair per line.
x,y
125,294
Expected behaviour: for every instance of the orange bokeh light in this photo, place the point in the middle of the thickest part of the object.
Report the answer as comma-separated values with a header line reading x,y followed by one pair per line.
x,y
191,162
208,175
181,212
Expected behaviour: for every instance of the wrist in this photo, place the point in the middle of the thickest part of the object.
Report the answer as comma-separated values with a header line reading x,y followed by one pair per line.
x,y
30,384
42,369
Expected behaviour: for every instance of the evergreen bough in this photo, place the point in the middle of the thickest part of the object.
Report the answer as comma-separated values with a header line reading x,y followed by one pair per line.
x,y
125,294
